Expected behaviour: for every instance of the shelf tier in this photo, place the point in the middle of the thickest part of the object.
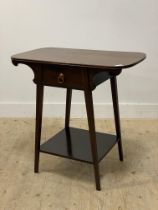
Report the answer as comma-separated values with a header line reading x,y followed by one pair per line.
x,y
74,143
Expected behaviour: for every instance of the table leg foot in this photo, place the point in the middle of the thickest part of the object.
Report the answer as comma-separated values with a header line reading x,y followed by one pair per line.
x,y
97,176
120,149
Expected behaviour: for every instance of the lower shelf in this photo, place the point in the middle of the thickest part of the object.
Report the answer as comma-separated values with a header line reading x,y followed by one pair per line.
x,y
75,144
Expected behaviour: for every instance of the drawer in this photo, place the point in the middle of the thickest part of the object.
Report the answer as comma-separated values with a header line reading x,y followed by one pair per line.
x,y
67,77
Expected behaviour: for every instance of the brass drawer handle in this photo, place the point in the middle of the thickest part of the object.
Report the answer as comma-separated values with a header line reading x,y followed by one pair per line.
x,y
61,78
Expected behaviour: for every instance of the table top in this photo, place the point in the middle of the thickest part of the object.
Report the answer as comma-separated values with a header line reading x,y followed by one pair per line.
x,y
80,57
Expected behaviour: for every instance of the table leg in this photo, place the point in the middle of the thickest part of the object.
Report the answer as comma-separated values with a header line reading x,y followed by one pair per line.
x,y
67,120
114,92
39,108
68,107
91,123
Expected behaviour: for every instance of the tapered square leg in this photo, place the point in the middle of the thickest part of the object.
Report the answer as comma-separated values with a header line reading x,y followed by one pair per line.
x,y
68,107
114,92
67,120
91,123
39,109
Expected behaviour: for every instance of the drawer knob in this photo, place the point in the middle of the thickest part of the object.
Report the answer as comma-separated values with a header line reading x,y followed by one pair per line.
x,y
61,78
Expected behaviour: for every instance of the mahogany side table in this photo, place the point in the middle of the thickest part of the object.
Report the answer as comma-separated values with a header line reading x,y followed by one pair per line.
x,y
82,70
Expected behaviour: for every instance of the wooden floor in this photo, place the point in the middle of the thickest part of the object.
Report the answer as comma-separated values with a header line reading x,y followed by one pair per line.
x,y
69,185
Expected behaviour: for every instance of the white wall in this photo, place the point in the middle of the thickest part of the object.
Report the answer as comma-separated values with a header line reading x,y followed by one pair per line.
x,y
94,24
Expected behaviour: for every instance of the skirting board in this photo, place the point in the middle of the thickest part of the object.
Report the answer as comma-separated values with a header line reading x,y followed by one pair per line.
x,y
102,110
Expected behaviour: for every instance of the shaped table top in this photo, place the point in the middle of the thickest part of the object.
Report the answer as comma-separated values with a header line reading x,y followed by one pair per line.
x,y
80,57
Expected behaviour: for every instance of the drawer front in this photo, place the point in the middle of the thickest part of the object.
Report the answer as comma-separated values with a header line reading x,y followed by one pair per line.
x,y
67,77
